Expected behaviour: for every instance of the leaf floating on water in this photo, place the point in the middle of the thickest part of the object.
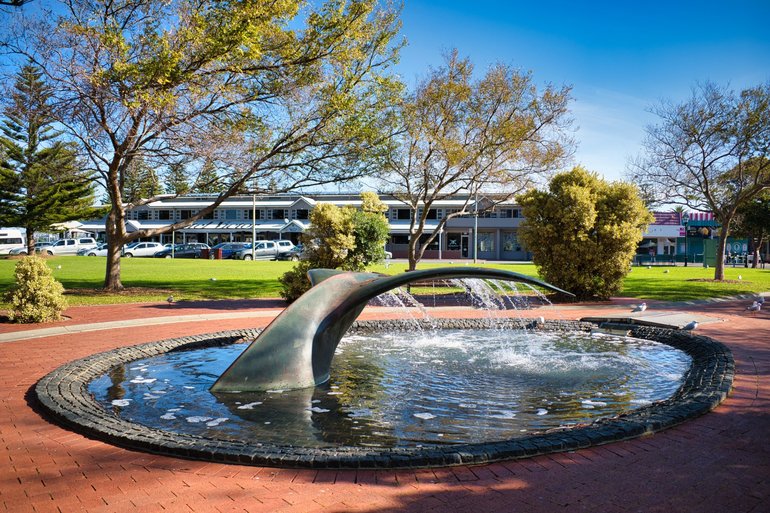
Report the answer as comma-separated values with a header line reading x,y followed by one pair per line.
x,y
249,406
425,416
316,409
217,422
140,379
121,402
195,420
542,411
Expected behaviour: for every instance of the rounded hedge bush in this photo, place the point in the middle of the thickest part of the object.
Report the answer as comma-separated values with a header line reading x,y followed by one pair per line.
x,y
36,296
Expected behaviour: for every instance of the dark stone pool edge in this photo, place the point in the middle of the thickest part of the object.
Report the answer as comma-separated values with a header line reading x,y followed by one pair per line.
x,y
63,395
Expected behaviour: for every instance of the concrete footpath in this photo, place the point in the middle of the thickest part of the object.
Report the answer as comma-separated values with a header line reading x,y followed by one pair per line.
x,y
717,463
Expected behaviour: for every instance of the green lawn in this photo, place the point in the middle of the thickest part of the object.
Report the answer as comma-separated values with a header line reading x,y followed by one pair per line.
x,y
232,279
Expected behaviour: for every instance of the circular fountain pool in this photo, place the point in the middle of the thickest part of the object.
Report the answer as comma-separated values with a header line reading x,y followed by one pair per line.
x,y
464,398
406,389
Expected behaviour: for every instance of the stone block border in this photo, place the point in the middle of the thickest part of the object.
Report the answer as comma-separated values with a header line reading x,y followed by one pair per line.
x,y
64,396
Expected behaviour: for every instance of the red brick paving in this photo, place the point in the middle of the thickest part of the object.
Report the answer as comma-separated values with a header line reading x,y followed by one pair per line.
x,y
717,463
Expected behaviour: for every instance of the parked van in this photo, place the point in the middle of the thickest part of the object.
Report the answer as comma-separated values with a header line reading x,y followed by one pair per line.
x,y
12,238
69,246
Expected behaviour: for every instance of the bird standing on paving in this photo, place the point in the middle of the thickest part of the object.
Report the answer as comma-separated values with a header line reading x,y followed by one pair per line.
x,y
640,308
690,325
754,307
170,299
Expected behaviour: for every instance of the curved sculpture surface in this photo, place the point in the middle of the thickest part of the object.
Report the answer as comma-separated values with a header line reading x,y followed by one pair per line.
x,y
296,349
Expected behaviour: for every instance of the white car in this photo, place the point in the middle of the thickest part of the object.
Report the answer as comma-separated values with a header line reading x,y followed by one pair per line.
x,y
142,249
100,250
68,246
284,246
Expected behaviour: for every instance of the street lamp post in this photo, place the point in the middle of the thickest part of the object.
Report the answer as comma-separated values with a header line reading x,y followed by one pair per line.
x,y
685,220
475,225
253,225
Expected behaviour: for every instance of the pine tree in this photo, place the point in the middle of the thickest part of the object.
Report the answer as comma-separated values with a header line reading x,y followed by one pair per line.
x,y
176,178
208,180
40,180
140,182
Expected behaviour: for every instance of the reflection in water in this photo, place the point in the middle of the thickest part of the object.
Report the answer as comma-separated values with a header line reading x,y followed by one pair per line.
x,y
406,389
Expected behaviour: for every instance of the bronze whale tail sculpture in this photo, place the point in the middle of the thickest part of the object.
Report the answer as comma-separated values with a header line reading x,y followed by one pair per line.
x,y
296,349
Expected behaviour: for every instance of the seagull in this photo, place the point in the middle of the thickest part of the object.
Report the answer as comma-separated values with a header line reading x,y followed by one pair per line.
x,y
212,279
691,325
754,307
740,277
640,308
666,271
170,299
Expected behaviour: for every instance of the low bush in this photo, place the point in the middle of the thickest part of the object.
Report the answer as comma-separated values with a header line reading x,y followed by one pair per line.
x,y
295,282
36,295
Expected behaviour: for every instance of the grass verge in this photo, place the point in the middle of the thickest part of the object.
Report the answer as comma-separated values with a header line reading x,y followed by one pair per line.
x,y
149,279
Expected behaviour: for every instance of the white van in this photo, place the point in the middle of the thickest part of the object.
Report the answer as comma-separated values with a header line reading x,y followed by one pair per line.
x,y
12,238
69,246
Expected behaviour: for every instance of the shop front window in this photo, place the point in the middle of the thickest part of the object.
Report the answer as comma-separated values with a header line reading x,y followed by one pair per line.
x,y
453,241
486,242
511,242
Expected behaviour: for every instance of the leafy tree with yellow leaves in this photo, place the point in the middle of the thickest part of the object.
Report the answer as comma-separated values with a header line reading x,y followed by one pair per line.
x,y
288,93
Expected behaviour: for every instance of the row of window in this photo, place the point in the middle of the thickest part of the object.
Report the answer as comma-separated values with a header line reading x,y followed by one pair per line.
x,y
404,214
454,241
401,214
226,215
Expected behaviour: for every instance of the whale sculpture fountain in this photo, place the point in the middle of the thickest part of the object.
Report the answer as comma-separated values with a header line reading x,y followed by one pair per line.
x,y
469,392
296,349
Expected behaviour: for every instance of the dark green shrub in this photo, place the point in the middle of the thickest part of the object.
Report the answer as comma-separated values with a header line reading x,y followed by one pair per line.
x,y
295,282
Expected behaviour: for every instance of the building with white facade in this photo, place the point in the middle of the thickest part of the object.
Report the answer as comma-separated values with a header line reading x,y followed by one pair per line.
x,y
285,216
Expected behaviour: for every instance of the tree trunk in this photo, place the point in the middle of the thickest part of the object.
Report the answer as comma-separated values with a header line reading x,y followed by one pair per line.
x,y
412,253
30,240
115,236
719,268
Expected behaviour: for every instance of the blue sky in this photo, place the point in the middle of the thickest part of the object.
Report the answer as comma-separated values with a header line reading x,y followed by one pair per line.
x,y
620,57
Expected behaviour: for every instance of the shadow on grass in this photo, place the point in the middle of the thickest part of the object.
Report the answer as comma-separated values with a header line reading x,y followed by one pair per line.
x,y
223,304
194,288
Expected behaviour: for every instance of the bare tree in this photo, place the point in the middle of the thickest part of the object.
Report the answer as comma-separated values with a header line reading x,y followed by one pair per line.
x,y
709,153
497,134
270,92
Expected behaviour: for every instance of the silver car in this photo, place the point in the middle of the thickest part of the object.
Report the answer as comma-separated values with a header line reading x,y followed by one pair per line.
x,y
263,250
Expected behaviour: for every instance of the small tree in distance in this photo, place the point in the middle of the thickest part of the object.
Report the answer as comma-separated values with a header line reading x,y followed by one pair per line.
x,y
458,134
710,153
346,238
753,222
583,232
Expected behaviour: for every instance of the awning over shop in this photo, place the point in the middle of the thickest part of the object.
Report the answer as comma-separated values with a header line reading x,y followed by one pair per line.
x,y
207,226
403,227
